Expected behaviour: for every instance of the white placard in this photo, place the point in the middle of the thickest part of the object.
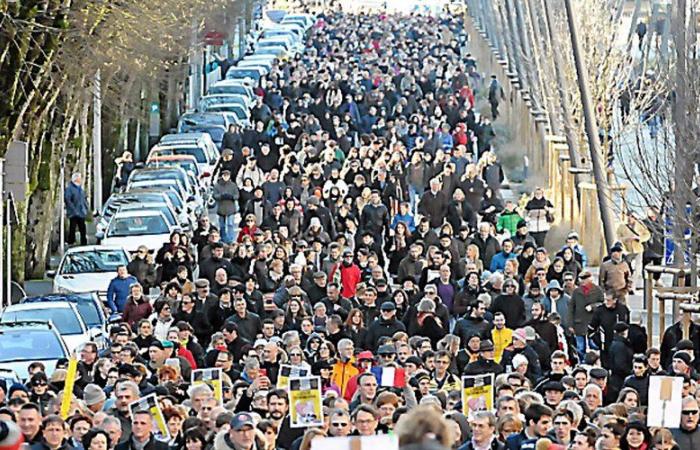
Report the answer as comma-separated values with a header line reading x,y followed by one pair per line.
x,y
665,401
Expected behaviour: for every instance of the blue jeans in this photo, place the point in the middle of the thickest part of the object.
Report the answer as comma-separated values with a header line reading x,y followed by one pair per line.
x,y
226,228
581,346
414,195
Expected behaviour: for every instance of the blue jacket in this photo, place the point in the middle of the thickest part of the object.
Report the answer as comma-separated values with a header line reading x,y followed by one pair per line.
x,y
118,291
498,262
407,219
76,202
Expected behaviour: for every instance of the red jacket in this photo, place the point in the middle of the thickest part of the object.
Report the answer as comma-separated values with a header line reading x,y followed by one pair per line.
x,y
133,312
188,356
349,278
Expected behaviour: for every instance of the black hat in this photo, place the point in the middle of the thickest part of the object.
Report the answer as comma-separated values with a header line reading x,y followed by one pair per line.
x,y
682,356
616,248
157,344
553,386
388,306
598,373
621,327
521,224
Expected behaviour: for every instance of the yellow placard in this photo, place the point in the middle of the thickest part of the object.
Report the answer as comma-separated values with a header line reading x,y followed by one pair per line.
x,y
68,387
477,393
212,378
305,403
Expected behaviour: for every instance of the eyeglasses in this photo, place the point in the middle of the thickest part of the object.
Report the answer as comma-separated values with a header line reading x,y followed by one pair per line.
x,y
295,354
187,303
689,412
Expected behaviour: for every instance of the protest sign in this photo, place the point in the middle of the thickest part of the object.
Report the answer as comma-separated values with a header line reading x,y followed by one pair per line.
x,y
212,378
477,393
305,406
150,404
286,372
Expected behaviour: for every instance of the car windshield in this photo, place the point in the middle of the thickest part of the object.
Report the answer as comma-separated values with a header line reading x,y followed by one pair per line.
x,y
216,133
29,345
187,165
64,319
245,73
88,311
193,121
161,207
93,261
137,226
197,152
228,89
162,174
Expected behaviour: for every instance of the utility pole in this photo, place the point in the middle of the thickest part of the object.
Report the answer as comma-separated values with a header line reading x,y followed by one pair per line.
x,y
591,130
97,142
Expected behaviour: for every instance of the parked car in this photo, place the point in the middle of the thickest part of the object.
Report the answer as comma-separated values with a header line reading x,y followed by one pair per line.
x,y
25,342
64,315
130,229
89,305
88,268
199,145
231,87
250,76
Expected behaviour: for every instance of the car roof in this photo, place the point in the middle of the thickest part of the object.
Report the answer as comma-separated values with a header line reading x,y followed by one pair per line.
x,y
91,248
28,324
61,304
73,297
138,213
173,158
174,137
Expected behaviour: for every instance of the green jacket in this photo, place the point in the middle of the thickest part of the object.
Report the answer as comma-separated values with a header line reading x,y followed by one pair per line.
x,y
508,221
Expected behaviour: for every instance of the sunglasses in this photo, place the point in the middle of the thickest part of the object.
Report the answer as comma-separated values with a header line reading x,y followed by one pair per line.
x,y
340,424
689,412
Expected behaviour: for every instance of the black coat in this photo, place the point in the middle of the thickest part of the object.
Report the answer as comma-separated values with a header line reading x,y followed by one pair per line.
x,y
380,328
467,327
481,366
641,385
512,307
620,361
434,206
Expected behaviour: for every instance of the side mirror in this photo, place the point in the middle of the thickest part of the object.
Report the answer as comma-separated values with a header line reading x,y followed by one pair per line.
x,y
51,273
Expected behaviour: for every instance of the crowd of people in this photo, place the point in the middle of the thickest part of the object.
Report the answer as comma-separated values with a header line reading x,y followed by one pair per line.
x,y
373,233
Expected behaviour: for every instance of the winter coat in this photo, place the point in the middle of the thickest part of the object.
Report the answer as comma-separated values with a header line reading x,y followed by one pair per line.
x,y
601,327
144,272
434,206
508,220
512,307
639,384
487,248
75,201
226,196
134,310
537,214
615,276
621,356
380,328
467,327
579,315
481,366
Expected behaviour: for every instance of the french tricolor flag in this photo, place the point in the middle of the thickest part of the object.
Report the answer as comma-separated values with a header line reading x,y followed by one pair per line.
x,y
390,376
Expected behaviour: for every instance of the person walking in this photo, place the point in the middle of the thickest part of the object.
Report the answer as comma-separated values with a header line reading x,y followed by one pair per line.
x,y
226,196
496,94
76,209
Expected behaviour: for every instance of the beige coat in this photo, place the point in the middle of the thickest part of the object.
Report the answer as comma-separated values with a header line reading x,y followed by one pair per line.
x,y
634,236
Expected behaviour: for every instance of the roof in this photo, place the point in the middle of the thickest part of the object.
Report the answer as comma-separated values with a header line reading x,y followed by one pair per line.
x,y
45,324
139,213
72,297
91,248
48,305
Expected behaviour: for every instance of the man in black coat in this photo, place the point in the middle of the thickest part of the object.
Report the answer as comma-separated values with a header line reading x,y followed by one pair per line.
x,y
621,356
386,325
639,380
601,327
434,204
142,437
485,363
510,304
473,322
